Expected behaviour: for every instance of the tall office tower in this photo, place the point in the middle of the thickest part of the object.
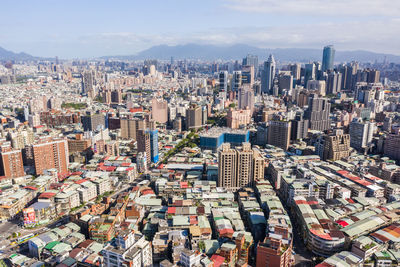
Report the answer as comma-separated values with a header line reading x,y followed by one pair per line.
x,y
318,70
309,73
107,97
227,162
334,83
344,70
352,71
295,69
279,133
373,76
245,165
318,113
248,75
153,145
130,127
223,83
272,252
11,164
316,85
328,57
392,146
194,117
246,98
51,154
361,134
214,67
159,110
87,82
93,122
116,96
285,81
299,127
267,78
334,146
251,60
239,167
236,81
144,144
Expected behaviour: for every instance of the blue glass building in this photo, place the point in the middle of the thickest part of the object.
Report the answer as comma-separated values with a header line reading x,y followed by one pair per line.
x,y
217,136
328,57
153,145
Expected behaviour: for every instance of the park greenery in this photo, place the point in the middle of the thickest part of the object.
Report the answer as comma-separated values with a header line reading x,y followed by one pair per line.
x,y
74,105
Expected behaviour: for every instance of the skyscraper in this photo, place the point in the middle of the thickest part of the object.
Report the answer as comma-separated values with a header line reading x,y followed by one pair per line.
x,y
267,79
248,75
223,83
328,57
154,145
246,98
285,81
309,72
318,113
251,60
334,83
295,70
236,80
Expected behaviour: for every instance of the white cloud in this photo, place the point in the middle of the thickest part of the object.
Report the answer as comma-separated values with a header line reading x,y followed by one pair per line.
x,y
332,8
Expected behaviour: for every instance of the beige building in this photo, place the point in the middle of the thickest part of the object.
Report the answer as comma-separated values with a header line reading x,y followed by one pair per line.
x,y
159,110
237,118
239,167
130,127
333,147
194,117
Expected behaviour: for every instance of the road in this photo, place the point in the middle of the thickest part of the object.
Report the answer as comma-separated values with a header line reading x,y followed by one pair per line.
x,y
303,257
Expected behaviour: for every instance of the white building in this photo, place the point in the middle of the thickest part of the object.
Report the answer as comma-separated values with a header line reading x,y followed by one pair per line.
x,y
361,133
190,258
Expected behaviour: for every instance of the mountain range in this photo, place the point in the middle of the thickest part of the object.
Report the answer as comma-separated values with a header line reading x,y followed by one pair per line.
x,y
233,52
9,55
238,51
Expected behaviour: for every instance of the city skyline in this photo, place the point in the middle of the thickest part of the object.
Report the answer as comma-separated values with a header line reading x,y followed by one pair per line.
x,y
75,29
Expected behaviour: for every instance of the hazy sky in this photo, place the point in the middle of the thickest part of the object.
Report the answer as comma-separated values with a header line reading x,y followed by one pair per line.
x,y
88,28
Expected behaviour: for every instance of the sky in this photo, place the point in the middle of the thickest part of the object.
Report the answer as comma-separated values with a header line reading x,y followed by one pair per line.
x,y
92,28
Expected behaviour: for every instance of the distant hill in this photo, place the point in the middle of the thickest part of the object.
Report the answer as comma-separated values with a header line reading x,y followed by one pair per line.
x,y
9,55
238,51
